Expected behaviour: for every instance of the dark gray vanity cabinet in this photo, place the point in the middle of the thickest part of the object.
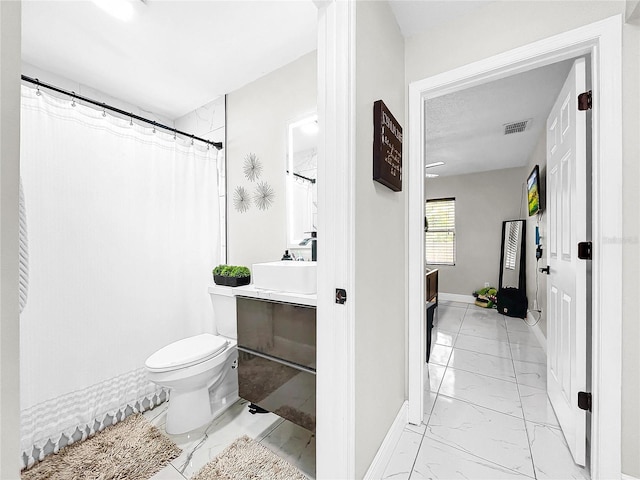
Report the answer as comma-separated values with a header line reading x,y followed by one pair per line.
x,y
277,358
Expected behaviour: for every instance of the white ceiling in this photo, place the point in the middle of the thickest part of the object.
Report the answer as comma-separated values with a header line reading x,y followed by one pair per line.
x,y
466,128
173,56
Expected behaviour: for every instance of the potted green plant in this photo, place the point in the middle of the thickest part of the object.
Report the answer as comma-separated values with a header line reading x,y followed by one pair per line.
x,y
231,275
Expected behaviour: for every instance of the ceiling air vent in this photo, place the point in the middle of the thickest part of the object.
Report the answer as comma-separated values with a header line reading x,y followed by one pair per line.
x,y
516,127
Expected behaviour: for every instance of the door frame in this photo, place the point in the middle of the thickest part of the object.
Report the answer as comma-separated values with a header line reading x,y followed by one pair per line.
x,y
335,353
601,40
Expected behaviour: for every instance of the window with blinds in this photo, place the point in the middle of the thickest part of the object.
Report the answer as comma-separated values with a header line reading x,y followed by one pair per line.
x,y
440,238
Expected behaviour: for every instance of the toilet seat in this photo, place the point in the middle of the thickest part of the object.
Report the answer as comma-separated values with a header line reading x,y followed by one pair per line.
x,y
187,352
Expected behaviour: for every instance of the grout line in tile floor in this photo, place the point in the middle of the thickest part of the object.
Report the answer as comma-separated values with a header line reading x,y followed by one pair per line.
x,y
271,431
481,406
484,375
438,395
512,339
177,471
524,415
160,410
519,398
196,452
202,441
415,459
468,453
426,425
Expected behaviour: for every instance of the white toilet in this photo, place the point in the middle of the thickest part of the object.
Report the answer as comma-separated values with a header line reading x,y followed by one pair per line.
x,y
200,370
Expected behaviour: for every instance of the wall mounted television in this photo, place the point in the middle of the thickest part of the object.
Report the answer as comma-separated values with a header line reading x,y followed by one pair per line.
x,y
533,191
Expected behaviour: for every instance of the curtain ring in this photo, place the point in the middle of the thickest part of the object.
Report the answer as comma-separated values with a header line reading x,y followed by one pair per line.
x,y
73,99
130,119
191,139
38,93
104,111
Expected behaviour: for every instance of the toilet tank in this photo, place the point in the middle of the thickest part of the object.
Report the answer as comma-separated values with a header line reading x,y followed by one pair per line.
x,y
223,302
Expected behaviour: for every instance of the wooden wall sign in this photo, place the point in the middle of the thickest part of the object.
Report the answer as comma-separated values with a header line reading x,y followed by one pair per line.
x,y
387,148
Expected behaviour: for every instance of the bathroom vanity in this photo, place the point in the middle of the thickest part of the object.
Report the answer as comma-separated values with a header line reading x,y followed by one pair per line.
x,y
277,353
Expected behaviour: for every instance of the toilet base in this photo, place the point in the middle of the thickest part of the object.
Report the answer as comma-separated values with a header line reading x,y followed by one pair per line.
x,y
193,409
198,393
188,411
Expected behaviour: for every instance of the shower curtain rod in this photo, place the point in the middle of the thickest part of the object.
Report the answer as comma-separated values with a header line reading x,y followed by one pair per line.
x,y
312,180
105,106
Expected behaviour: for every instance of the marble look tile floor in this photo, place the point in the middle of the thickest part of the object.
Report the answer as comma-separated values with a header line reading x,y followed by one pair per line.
x,y
285,439
487,415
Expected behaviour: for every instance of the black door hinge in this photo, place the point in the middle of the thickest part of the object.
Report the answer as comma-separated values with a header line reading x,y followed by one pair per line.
x,y
585,101
585,250
584,401
341,296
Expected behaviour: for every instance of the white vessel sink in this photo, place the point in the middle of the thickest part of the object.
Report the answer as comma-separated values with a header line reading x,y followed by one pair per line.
x,y
286,276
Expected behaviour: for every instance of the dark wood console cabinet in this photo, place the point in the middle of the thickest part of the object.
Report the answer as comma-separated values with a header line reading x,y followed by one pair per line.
x,y
431,299
432,286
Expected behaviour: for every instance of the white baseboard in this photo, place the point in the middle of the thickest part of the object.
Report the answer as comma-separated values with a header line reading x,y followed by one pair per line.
x,y
624,476
380,461
537,332
456,297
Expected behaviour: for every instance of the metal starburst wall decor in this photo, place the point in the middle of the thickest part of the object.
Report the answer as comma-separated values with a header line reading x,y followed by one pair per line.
x,y
241,199
252,167
264,196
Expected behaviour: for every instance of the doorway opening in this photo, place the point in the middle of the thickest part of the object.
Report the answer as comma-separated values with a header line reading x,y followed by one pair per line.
x,y
492,359
602,42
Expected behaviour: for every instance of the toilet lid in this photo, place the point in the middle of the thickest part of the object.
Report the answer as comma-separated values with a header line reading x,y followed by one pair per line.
x,y
186,352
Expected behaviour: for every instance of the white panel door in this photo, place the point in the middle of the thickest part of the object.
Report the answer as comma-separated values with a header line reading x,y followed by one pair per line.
x,y
566,284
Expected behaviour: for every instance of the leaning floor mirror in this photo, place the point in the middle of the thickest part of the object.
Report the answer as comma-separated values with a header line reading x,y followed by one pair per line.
x,y
512,255
512,291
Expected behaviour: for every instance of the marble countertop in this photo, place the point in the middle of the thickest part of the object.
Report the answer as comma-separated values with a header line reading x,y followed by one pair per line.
x,y
276,296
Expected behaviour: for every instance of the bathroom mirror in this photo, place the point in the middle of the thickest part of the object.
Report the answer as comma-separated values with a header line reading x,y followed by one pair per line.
x,y
512,262
302,189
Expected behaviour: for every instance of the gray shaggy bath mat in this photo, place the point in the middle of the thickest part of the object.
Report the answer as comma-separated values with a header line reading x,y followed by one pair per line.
x,y
248,460
132,449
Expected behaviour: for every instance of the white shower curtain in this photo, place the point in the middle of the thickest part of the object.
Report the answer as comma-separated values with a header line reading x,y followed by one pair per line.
x,y
123,235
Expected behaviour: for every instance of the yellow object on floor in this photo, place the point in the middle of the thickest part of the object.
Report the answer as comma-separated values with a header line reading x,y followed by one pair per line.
x,y
483,301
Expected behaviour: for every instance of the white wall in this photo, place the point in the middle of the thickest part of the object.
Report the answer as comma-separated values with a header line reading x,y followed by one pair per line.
x,y
631,247
483,201
632,12
380,238
503,25
538,157
257,119
9,172
206,121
